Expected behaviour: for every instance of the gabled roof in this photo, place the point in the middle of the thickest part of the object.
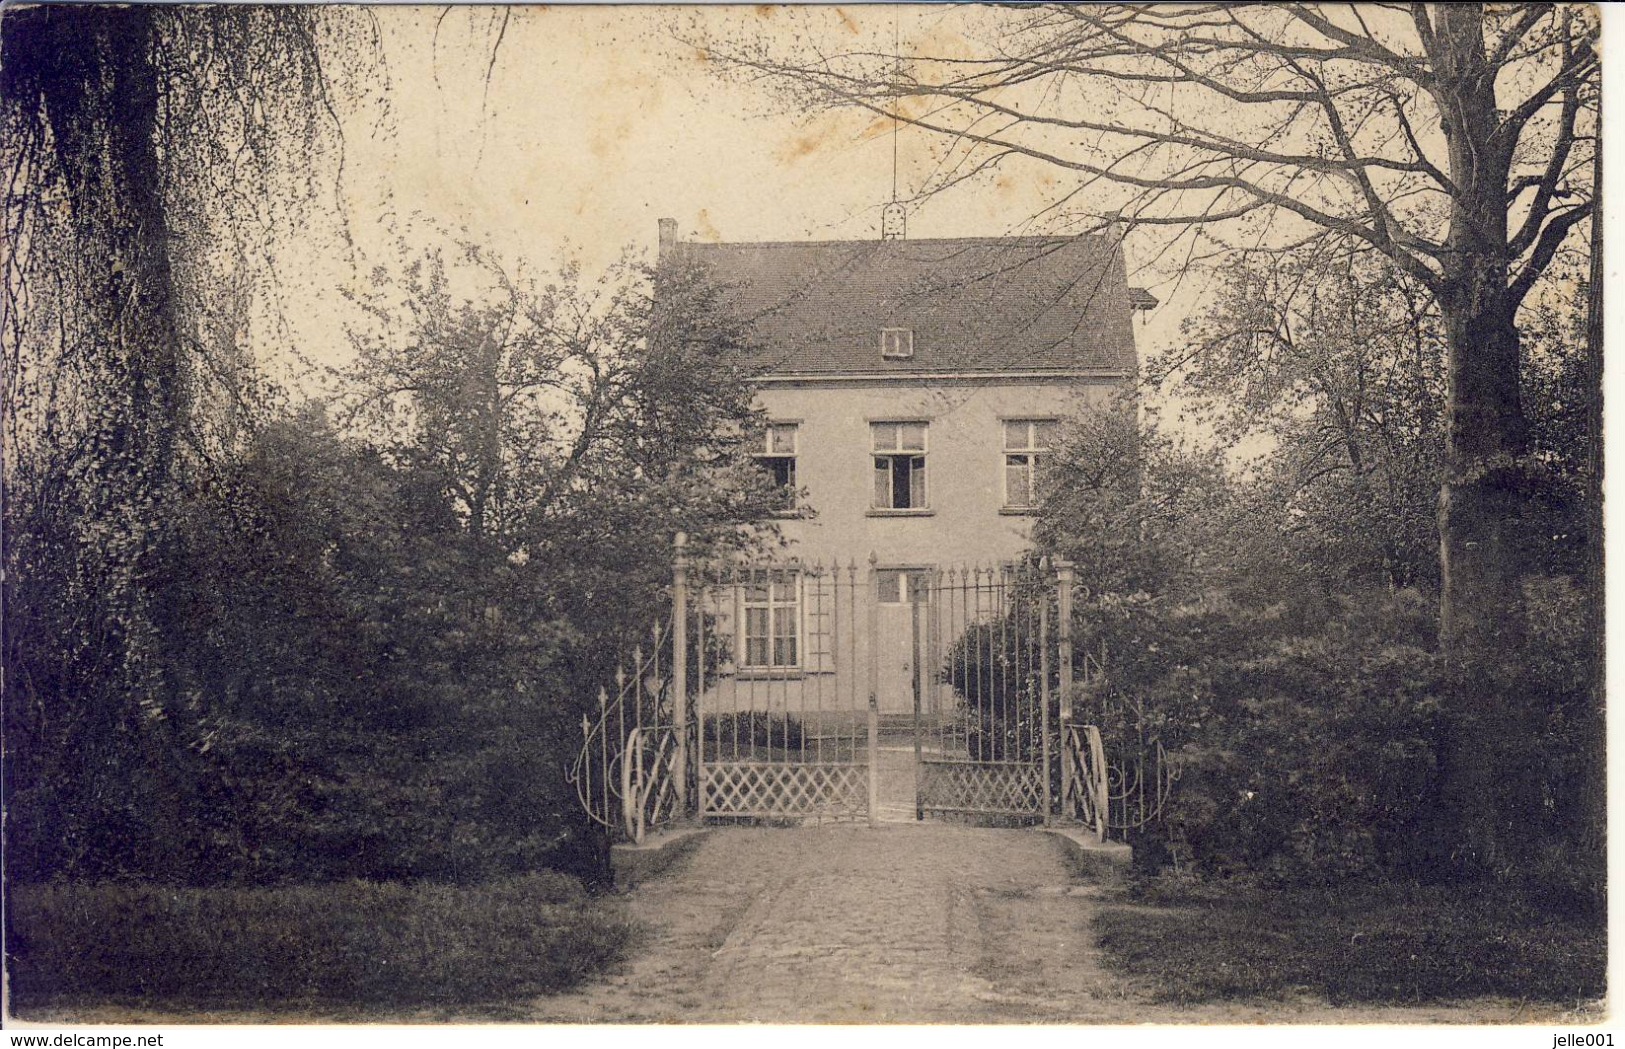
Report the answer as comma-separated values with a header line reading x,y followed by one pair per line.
x,y
982,304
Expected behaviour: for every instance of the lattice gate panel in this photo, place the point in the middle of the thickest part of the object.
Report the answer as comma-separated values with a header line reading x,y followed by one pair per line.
x,y
981,787
785,789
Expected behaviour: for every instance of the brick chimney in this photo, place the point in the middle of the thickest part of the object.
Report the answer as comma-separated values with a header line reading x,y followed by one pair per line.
x,y
668,236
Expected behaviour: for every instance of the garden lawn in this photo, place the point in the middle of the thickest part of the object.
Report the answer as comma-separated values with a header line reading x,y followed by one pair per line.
x,y
1366,943
354,943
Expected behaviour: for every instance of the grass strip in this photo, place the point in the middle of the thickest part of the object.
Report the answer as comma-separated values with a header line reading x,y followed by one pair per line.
x,y
1376,944
354,943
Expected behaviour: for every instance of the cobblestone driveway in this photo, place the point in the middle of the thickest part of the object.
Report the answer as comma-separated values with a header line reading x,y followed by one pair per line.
x,y
906,923
847,923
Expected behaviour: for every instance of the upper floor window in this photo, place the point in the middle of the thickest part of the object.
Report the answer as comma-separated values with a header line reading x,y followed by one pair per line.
x,y
1026,443
777,454
897,344
899,465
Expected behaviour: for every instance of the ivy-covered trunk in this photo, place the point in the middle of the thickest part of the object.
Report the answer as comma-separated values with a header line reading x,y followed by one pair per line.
x,y
83,100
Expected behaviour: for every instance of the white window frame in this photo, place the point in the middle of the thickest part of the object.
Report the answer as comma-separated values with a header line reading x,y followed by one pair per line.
x,y
1032,451
766,451
896,344
900,592
798,601
897,451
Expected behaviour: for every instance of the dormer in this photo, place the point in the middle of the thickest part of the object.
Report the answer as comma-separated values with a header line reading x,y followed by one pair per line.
x,y
897,344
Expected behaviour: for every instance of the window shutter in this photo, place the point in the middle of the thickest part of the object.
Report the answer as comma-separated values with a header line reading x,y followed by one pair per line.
x,y
818,617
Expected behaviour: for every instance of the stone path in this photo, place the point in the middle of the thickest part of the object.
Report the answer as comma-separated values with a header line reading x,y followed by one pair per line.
x,y
907,923
903,923
894,776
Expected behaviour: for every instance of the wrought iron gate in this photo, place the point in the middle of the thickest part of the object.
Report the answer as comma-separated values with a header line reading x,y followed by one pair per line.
x,y
784,718
799,692
818,681
986,689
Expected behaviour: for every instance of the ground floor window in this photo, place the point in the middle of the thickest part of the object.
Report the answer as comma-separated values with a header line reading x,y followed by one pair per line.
x,y
772,622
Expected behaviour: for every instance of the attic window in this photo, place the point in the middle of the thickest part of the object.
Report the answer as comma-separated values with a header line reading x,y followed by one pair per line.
x,y
896,344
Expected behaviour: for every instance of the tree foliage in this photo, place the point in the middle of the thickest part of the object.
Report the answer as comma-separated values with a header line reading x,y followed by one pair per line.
x,y
1335,365
1459,141
382,636
252,640
125,383
1275,626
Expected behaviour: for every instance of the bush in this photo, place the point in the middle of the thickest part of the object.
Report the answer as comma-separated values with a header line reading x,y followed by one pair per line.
x,y
357,942
1304,736
755,728
993,669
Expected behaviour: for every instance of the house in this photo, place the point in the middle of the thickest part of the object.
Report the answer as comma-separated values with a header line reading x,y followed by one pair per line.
x,y
904,660
913,389
913,386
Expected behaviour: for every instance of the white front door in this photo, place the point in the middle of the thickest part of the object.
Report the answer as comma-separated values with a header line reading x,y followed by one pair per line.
x,y
900,592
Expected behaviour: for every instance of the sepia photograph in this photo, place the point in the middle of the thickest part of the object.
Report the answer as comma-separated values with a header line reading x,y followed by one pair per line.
x,y
1077,515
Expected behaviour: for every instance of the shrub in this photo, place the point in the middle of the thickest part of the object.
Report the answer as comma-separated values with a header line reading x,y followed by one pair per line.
x,y
1304,736
355,942
755,728
993,668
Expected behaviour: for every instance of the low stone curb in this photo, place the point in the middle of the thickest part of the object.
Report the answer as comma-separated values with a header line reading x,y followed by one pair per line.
x,y
1106,861
634,863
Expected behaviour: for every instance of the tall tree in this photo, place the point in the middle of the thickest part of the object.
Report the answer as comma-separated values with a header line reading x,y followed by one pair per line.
x,y
152,156
569,427
1457,139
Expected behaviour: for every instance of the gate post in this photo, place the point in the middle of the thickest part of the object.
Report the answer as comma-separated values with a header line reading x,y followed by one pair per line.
x,y
679,666
919,689
1043,700
874,689
1063,602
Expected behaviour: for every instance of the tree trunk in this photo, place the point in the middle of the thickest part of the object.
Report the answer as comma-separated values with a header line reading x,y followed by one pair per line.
x,y
88,73
1594,803
1490,783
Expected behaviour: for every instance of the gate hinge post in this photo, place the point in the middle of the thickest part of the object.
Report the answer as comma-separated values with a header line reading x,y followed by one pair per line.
x,y
1047,751
1064,578
679,666
873,590
874,761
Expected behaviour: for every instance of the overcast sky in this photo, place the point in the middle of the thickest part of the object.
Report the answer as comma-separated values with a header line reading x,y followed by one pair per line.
x,y
595,122
549,133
